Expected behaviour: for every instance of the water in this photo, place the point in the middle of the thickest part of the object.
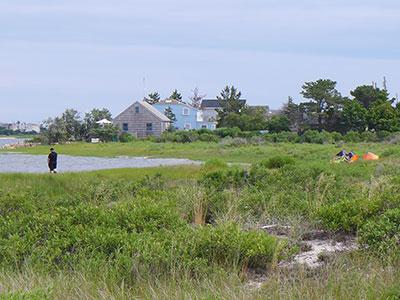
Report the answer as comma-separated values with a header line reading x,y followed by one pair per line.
x,y
10,141
25,163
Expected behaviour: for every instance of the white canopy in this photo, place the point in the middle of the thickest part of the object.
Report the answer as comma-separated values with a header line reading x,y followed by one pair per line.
x,y
103,122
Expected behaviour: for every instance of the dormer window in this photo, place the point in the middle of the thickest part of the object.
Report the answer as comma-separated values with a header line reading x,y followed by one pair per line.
x,y
137,109
185,111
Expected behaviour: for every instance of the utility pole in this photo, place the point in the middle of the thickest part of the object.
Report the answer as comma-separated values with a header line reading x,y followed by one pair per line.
x,y
144,87
384,83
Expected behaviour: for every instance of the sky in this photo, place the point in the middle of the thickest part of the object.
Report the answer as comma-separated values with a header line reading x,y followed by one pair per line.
x,y
58,54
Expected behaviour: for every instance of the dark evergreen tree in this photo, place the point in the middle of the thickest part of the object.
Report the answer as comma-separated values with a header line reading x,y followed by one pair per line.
x,y
152,98
325,102
176,96
169,114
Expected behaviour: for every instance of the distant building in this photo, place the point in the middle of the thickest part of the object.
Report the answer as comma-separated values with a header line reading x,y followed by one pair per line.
x,y
141,119
210,108
187,116
21,127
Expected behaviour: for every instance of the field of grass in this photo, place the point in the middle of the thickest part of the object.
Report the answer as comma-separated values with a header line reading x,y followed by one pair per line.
x,y
204,151
191,232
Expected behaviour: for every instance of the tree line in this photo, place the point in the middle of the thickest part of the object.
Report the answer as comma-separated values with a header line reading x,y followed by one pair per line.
x,y
368,108
70,126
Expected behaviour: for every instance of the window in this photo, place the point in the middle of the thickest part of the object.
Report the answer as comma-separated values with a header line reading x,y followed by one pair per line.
x,y
188,126
137,109
185,111
149,126
204,126
125,127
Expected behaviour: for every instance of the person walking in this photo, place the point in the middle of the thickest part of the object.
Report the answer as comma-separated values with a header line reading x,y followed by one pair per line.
x,y
52,161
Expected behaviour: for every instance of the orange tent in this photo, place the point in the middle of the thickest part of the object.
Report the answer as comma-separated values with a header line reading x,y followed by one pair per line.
x,y
354,158
370,156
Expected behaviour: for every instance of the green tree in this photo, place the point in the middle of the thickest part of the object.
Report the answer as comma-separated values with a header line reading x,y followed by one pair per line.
x,y
91,129
106,133
73,124
292,111
325,102
176,95
383,116
229,101
169,114
367,95
354,116
278,124
54,131
153,98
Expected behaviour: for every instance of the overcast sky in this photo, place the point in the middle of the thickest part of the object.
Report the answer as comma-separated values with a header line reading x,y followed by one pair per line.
x,y
101,53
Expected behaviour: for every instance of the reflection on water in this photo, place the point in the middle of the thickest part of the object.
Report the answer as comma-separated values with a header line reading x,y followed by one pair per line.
x,y
23,163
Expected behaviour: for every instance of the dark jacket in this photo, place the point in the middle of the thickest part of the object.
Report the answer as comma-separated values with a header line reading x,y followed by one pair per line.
x,y
52,160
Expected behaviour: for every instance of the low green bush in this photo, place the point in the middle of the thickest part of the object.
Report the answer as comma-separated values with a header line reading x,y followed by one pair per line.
x,y
277,162
382,233
126,137
225,179
349,215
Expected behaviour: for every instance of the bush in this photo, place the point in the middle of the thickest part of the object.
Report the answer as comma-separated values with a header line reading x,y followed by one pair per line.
x,y
233,142
215,163
316,137
208,137
382,233
146,235
383,135
349,215
225,132
352,137
277,162
126,137
225,179
368,136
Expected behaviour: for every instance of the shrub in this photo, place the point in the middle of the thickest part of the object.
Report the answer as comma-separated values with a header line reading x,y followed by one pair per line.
x,y
394,139
215,163
228,245
316,137
348,215
225,179
208,137
126,137
383,135
225,132
277,162
382,233
368,136
233,142
352,137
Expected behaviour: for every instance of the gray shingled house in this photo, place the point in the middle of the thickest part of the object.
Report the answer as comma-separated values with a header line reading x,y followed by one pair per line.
x,y
141,120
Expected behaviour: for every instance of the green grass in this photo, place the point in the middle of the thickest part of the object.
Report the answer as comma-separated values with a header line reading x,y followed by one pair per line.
x,y
204,151
183,232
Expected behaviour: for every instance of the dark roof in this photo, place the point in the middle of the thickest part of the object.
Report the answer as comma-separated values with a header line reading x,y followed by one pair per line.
x,y
215,102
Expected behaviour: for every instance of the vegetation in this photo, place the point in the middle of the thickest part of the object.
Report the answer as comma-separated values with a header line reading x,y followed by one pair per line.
x,y
71,127
191,232
153,98
176,95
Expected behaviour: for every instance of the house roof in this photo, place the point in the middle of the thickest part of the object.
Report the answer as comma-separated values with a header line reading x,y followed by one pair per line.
x,y
215,103
173,101
150,108
154,111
